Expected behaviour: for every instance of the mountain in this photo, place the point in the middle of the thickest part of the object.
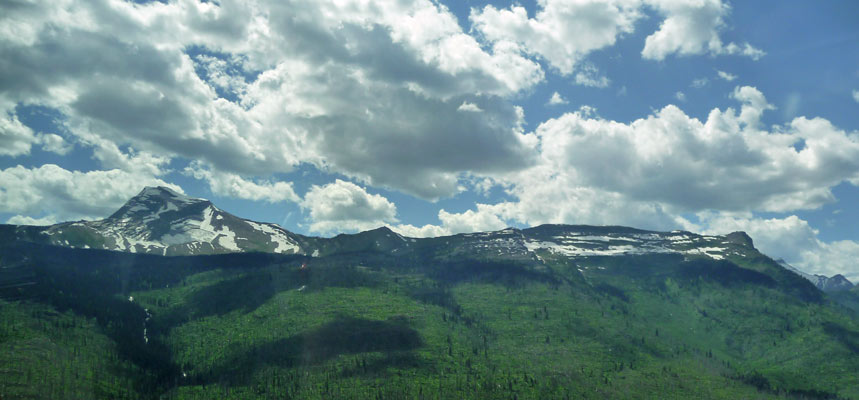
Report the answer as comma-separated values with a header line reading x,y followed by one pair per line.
x,y
160,221
553,311
834,283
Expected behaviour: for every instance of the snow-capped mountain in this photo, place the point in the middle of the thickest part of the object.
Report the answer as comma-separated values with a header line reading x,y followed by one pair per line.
x,y
831,284
161,221
574,241
158,220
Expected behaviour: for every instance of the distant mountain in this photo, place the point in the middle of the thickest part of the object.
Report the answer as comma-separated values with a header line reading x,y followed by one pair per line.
x,y
834,283
160,221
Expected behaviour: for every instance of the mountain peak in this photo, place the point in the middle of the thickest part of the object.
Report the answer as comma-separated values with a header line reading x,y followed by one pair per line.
x,y
838,282
382,230
740,238
154,200
163,221
164,192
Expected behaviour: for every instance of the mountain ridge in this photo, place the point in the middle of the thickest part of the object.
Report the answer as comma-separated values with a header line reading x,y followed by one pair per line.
x,y
159,220
834,283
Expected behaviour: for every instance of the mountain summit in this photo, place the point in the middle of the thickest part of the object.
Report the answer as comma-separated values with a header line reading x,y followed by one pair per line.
x,y
161,221
151,202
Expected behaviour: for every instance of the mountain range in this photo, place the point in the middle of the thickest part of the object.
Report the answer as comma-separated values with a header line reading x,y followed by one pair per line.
x,y
172,297
161,221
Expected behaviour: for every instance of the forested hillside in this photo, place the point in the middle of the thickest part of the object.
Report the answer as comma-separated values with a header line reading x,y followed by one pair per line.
x,y
437,321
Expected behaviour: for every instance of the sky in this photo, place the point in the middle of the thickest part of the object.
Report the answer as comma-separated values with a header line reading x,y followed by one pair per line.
x,y
442,117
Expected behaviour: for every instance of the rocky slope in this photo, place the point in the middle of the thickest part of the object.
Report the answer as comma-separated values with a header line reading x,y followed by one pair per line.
x,y
161,221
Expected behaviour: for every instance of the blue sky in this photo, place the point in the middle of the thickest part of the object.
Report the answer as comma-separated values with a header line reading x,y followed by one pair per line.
x,y
442,117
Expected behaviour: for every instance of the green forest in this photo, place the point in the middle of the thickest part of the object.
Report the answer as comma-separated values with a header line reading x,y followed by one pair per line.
x,y
431,324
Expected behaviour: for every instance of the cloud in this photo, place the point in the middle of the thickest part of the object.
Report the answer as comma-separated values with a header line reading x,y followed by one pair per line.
x,y
550,200
24,220
588,75
225,75
699,83
69,195
856,95
480,220
680,96
15,137
471,221
648,172
372,91
692,28
428,230
565,32
344,206
232,185
468,107
258,88
562,32
557,99
723,163
53,143
726,76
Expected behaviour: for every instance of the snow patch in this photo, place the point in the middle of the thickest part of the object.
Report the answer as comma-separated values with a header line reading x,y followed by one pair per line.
x,y
581,245
283,243
227,239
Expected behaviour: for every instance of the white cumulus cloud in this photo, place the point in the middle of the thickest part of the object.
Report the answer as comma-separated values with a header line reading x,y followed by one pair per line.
x,y
24,220
562,32
344,206
692,27
15,137
468,107
256,88
648,172
724,163
53,143
557,99
726,76
232,185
